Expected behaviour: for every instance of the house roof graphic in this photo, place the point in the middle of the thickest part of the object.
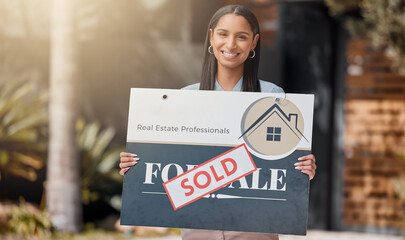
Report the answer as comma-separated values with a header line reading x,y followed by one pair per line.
x,y
287,119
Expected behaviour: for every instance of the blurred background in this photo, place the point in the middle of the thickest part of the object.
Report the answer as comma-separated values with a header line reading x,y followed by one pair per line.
x,y
67,66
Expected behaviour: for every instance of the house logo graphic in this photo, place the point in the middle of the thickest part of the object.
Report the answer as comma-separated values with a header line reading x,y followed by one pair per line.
x,y
272,130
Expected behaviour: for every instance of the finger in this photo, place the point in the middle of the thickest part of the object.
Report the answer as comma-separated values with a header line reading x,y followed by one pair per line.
x,y
311,174
308,157
127,164
310,168
129,159
123,171
304,163
125,154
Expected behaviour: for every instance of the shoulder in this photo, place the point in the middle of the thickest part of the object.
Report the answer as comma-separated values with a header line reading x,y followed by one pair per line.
x,y
195,86
270,87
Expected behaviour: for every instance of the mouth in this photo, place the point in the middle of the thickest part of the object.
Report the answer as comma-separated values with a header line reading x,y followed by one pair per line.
x,y
229,55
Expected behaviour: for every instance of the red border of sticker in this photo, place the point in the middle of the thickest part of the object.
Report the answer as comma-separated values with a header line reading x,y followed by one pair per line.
x,y
212,159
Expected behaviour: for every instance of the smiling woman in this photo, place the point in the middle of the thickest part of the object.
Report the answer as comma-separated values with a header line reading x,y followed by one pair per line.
x,y
231,42
233,34
231,63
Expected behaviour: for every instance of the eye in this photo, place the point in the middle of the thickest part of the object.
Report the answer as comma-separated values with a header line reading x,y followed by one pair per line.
x,y
222,34
242,37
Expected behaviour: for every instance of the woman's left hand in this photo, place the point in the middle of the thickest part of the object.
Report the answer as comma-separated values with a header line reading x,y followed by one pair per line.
x,y
307,165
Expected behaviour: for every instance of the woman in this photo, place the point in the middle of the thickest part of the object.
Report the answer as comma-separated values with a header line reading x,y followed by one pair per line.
x,y
231,63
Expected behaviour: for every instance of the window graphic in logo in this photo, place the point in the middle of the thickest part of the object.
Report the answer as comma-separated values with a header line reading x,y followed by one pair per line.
x,y
273,134
272,130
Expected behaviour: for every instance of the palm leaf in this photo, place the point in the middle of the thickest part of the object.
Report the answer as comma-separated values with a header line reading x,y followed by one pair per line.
x,y
109,161
100,176
29,135
17,169
28,122
15,98
88,138
23,115
30,161
19,112
4,158
102,142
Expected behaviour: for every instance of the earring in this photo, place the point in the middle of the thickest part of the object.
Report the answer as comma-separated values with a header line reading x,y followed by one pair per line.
x,y
254,54
210,49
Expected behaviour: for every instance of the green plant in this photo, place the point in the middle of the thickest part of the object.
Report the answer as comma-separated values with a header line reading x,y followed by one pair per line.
x,y
26,220
342,6
383,22
100,174
23,125
386,20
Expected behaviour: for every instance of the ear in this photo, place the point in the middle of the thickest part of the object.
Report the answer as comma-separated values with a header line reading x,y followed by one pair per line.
x,y
255,39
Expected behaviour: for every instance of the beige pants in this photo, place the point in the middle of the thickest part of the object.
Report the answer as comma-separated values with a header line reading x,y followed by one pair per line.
x,y
197,234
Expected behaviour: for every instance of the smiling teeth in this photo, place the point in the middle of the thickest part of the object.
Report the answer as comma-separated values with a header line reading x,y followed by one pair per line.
x,y
230,54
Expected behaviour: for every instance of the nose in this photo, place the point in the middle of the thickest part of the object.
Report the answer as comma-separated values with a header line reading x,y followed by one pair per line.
x,y
230,44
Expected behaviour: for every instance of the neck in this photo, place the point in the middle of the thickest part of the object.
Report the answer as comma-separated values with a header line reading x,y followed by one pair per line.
x,y
228,78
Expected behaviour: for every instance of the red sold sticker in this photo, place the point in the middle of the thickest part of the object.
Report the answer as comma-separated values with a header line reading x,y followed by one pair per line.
x,y
209,176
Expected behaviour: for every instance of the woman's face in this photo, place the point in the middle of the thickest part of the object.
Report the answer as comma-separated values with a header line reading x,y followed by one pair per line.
x,y
232,40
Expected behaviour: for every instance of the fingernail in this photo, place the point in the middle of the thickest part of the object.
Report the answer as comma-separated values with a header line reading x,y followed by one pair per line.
x,y
296,164
133,155
300,158
134,163
136,159
297,167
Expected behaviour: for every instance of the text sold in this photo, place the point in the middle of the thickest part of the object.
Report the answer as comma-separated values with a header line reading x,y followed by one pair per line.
x,y
209,176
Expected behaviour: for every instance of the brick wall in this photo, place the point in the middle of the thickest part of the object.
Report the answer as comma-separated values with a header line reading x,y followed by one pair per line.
x,y
375,128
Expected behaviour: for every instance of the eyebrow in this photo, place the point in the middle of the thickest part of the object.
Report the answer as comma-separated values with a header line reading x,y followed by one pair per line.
x,y
221,29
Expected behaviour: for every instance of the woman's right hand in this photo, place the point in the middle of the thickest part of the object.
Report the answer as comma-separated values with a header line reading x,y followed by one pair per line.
x,y
127,160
